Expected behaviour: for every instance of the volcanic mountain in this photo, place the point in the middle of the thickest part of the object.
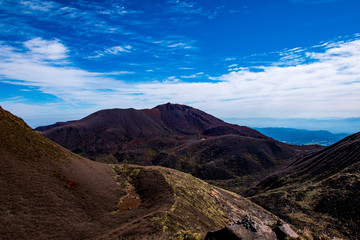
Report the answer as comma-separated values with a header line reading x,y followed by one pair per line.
x,y
176,136
319,191
48,192
103,131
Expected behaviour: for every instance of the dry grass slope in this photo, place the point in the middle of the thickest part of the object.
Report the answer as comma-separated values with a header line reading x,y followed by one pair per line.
x,y
319,192
181,204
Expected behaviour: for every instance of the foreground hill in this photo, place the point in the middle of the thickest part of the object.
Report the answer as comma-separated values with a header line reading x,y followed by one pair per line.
x,y
48,192
319,191
302,136
175,136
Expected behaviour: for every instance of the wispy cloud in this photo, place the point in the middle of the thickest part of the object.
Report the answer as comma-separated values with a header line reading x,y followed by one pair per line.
x,y
171,44
43,6
186,7
97,28
196,75
186,68
192,8
230,59
180,45
62,14
115,50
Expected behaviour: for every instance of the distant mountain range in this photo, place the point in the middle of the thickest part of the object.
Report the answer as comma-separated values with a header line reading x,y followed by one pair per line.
x,y
179,137
302,136
340,125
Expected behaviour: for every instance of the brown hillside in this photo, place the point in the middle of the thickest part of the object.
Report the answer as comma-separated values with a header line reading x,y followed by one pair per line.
x,y
319,191
48,192
231,161
231,156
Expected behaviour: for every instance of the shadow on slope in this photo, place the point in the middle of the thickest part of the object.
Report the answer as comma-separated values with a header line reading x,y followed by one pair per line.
x,y
319,191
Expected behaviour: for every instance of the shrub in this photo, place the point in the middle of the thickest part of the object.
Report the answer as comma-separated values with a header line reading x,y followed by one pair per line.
x,y
186,235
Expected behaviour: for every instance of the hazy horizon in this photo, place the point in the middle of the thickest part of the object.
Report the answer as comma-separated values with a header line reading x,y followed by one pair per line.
x,y
335,125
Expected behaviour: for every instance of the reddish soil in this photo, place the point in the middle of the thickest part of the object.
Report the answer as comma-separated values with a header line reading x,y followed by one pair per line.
x,y
130,201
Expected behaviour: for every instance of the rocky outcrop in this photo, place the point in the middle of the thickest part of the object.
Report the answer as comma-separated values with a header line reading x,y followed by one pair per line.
x,y
246,228
283,231
249,229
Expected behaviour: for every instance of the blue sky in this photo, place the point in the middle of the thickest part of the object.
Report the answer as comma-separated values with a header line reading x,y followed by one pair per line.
x,y
62,60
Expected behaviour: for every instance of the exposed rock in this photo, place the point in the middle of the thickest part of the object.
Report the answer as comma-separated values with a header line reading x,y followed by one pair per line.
x,y
283,230
244,229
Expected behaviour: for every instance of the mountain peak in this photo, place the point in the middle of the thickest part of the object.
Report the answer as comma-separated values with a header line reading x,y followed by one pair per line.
x,y
173,106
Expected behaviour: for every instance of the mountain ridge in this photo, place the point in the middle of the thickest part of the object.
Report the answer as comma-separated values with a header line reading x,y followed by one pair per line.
x,y
172,117
167,135
302,136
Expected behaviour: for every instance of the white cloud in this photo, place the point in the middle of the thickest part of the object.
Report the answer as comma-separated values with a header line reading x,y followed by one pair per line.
x,y
47,50
118,73
40,66
186,68
326,86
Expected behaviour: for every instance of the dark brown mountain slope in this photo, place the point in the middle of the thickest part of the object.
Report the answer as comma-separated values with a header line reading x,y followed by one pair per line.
x,y
319,191
191,121
105,131
231,161
48,192
167,134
